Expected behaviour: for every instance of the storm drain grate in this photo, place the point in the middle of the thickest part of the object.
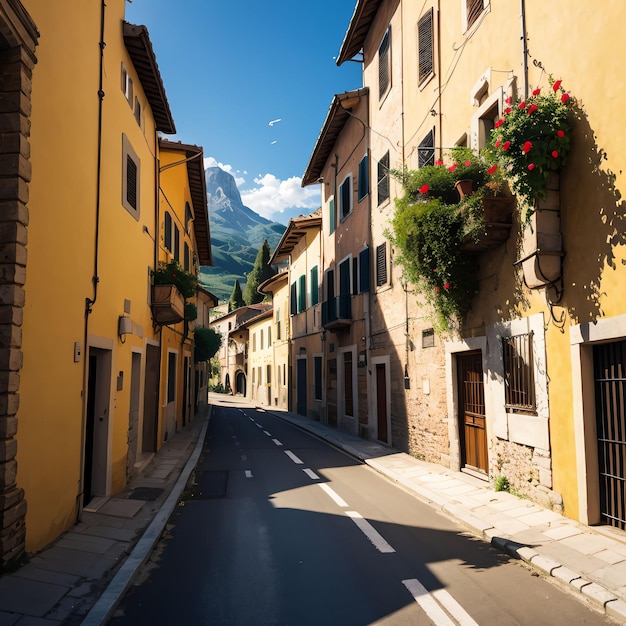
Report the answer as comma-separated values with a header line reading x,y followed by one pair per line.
x,y
207,485
150,494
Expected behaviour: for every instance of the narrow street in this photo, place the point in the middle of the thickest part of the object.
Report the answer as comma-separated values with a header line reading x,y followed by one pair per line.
x,y
278,527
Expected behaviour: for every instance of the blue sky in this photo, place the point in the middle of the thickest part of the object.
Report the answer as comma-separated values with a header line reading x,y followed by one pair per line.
x,y
231,68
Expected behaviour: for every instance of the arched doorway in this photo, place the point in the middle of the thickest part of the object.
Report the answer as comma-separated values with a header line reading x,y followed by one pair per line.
x,y
240,383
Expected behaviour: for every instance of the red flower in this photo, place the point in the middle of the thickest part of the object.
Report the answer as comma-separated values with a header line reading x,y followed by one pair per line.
x,y
536,92
565,98
555,154
492,169
506,145
507,110
499,123
438,162
521,105
452,168
560,133
437,288
497,144
531,166
467,163
526,147
531,109
424,189
556,85
509,100
446,286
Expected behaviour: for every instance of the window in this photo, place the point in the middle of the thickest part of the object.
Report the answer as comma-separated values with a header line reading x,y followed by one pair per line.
x,y
293,301
364,187
137,111
426,150
130,178
519,380
188,217
176,243
127,86
167,231
253,342
486,123
345,197
302,293
384,64
381,264
364,270
261,339
268,370
317,377
269,336
187,257
383,179
332,218
277,318
425,47
355,275
315,297
473,10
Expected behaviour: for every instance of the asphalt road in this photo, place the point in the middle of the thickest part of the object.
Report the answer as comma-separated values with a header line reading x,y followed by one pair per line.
x,y
277,527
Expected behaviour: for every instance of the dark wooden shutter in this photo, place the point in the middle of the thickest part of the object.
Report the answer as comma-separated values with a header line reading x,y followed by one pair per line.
x,y
426,150
474,9
381,264
425,46
364,186
384,65
131,182
383,179
168,231
364,270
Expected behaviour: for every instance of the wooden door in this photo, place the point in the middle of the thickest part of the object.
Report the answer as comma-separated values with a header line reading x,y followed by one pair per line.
x,y
381,402
472,420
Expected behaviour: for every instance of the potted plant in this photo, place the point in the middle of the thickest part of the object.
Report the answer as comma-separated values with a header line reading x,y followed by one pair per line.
x,y
429,235
531,141
468,169
172,285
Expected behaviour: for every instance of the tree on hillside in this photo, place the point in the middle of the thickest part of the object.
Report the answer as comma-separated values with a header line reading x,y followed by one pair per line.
x,y
236,299
260,272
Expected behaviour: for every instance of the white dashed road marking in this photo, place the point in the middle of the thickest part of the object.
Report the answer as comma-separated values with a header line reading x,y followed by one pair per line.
x,y
339,501
370,532
293,457
248,474
311,474
278,443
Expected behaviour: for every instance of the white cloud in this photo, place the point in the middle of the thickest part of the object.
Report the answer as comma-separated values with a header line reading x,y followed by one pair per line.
x,y
213,162
277,199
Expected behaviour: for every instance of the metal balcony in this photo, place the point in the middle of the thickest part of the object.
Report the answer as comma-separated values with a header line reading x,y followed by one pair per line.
x,y
337,313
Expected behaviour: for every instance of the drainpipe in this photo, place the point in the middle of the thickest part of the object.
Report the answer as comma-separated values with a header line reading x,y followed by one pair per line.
x,y
89,302
524,45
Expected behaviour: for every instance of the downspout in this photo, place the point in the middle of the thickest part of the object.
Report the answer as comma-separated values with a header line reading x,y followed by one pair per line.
x,y
157,235
440,120
524,45
89,302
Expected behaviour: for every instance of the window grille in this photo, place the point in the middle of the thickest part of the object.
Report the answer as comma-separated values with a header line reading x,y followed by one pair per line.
x,y
519,379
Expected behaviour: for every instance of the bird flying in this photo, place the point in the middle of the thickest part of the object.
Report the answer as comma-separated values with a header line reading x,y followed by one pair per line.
x,y
275,121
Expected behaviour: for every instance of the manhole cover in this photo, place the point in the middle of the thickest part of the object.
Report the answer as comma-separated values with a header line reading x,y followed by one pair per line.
x,y
145,493
209,484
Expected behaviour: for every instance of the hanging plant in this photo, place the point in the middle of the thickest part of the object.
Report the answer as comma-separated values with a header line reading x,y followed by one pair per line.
x,y
172,273
531,140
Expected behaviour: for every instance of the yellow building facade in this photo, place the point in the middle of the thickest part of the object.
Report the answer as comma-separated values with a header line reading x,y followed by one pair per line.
x,y
81,352
547,323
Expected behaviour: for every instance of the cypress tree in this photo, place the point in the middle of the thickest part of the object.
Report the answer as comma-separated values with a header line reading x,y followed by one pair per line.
x,y
236,299
260,272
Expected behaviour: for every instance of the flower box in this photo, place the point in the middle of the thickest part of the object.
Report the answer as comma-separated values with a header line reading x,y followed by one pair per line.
x,y
496,226
168,304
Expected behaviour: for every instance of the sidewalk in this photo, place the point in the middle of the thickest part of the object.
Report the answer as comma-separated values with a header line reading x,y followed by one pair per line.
x,y
82,577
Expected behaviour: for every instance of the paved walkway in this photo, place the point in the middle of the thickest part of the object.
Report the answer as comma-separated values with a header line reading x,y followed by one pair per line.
x,y
82,577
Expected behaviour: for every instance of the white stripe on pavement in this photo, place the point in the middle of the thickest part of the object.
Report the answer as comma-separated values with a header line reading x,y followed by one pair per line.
x,y
268,434
338,501
454,608
248,474
370,532
278,443
293,457
427,602
310,473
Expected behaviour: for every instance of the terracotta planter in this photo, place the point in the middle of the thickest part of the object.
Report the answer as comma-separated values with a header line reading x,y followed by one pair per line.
x,y
498,219
465,187
168,304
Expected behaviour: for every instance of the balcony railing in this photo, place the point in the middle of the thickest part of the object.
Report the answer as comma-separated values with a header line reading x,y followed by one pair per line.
x,y
337,312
